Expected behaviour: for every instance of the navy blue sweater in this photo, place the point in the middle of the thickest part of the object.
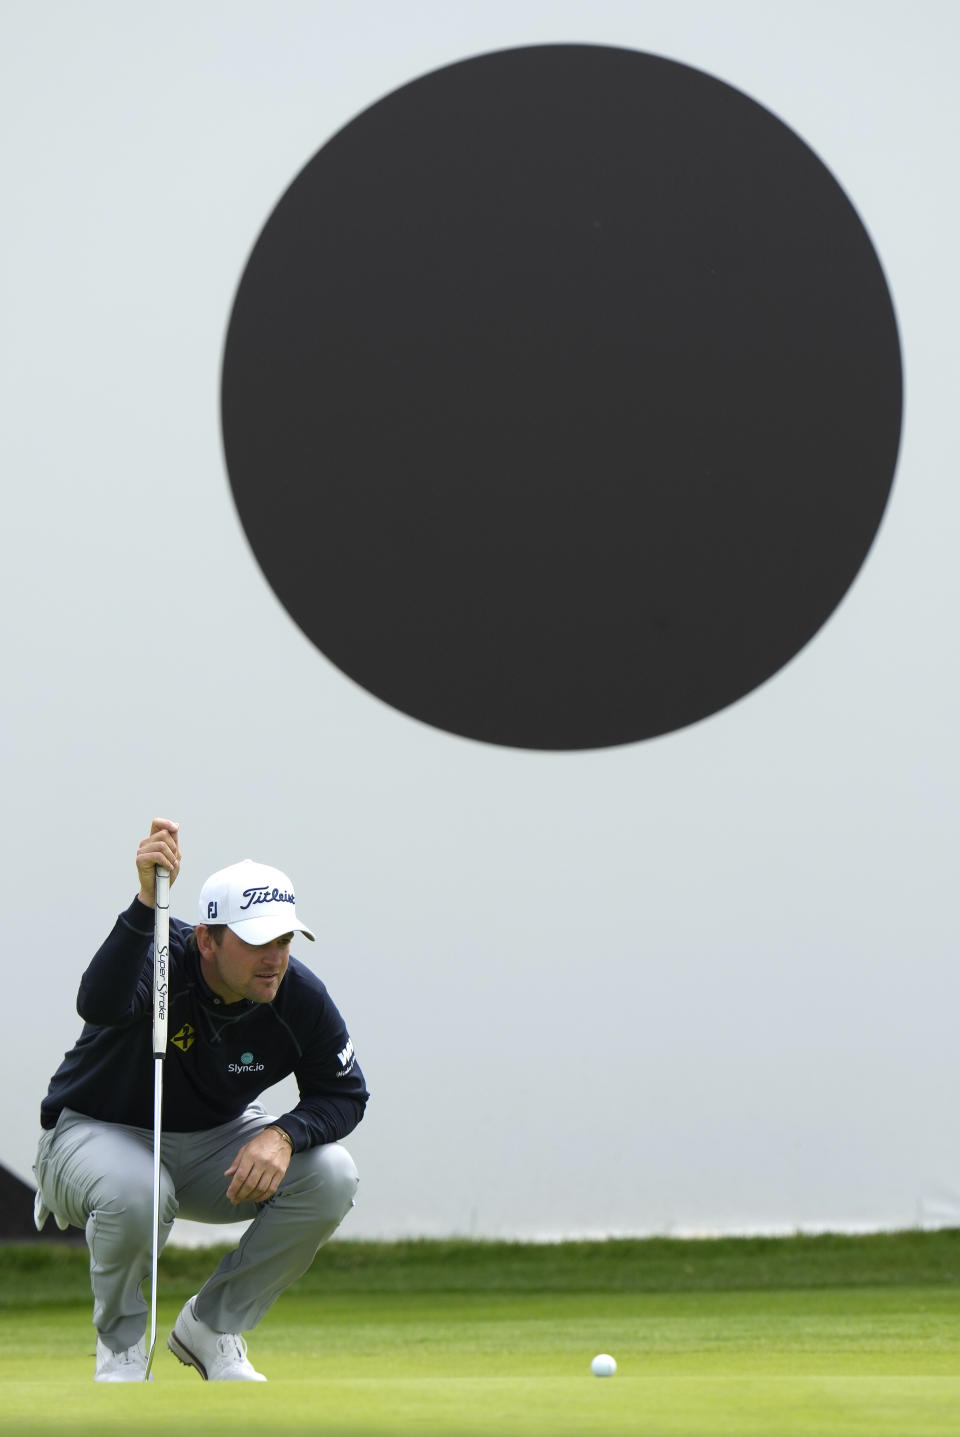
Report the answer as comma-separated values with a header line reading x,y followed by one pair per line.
x,y
220,1056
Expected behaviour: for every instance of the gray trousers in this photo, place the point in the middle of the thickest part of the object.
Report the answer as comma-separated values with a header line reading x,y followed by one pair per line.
x,y
99,1176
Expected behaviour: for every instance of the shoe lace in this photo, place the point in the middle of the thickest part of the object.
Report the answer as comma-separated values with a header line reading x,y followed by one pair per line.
x,y
129,1357
232,1346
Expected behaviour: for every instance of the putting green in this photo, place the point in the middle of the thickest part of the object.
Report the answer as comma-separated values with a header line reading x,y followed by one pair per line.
x,y
832,1362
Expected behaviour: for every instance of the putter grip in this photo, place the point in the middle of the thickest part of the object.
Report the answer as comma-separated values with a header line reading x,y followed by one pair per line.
x,y
161,958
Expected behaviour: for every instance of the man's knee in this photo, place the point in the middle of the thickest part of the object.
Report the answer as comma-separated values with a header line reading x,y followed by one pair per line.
x,y
329,1174
124,1202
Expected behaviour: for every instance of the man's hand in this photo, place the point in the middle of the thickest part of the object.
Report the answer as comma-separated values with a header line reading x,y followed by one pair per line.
x,y
258,1168
160,846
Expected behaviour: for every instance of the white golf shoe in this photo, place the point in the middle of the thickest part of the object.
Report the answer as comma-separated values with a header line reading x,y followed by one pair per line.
x,y
128,1366
217,1356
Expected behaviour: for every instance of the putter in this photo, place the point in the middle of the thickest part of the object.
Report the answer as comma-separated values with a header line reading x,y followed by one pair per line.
x,y
161,952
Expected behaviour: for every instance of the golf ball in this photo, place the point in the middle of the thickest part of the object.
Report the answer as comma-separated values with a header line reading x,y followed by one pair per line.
x,y
603,1365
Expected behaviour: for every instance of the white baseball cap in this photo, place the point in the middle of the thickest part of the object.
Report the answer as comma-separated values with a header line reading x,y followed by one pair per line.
x,y
254,901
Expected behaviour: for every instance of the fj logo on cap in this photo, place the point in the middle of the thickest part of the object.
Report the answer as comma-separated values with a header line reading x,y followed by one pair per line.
x,y
212,909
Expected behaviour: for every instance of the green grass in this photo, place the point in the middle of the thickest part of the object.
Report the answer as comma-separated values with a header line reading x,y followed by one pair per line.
x,y
42,1273
752,1338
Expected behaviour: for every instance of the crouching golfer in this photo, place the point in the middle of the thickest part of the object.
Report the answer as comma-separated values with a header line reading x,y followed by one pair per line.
x,y
243,1014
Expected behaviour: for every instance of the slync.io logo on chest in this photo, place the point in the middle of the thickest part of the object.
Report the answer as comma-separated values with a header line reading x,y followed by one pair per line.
x,y
247,1064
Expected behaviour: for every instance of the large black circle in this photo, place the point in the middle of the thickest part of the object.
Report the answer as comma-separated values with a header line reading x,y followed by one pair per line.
x,y
561,397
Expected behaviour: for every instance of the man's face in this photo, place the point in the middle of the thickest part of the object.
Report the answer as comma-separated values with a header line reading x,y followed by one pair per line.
x,y
234,969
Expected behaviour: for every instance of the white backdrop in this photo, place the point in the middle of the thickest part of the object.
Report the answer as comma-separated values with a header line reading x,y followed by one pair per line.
x,y
706,982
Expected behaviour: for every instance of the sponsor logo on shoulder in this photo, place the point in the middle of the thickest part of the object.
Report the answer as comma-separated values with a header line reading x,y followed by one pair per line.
x,y
247,1064
346,1058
